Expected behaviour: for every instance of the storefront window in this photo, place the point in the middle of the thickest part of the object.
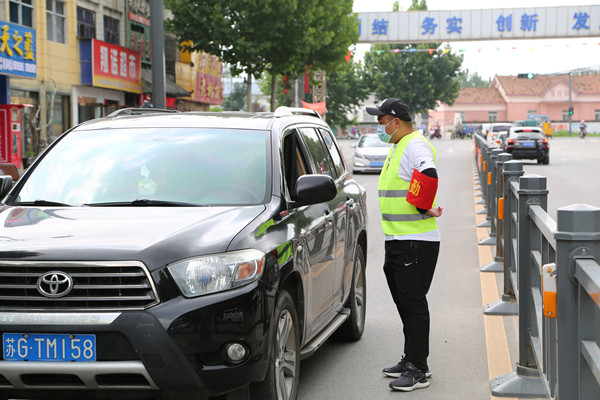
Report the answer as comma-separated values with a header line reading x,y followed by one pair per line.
x,y
58,116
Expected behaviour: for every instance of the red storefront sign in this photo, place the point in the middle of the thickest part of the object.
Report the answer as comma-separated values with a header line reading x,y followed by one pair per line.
x,y
116,67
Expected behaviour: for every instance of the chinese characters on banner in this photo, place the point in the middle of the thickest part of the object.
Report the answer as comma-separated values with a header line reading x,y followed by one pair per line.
x,y
17,50
542,22
209,88
116,67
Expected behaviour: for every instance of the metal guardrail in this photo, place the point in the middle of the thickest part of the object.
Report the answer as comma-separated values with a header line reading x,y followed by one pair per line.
x,y
551,277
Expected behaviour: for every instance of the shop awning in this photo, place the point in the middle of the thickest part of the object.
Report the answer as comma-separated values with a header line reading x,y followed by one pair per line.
x,y
171,87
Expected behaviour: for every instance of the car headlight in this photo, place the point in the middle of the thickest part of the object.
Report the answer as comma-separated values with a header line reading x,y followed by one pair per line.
x,y
217,272
358,155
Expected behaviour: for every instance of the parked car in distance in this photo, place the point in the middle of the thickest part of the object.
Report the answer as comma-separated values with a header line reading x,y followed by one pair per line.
x,y
501,140
527,143
369,154
179,255
492,131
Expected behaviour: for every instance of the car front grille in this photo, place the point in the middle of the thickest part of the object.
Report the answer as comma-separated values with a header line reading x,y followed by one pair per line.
x,y
95,286
375,158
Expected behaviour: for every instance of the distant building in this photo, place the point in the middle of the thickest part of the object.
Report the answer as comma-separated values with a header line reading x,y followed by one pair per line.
x,y
509,98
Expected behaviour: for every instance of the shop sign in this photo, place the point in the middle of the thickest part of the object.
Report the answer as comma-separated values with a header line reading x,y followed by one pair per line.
x,y
116,67
17,50
138,28
209,87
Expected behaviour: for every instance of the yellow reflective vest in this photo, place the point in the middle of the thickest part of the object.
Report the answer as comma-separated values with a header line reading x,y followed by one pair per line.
x,y
398,217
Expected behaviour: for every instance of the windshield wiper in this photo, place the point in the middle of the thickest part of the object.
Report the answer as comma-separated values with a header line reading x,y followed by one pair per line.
x,y
40,202
145,203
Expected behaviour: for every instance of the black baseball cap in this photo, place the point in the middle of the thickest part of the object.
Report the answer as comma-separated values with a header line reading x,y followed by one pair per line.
x,y
391,106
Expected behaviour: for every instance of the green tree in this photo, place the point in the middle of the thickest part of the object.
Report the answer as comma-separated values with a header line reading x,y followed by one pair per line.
x,y
473,80
236,101
346,90
277,36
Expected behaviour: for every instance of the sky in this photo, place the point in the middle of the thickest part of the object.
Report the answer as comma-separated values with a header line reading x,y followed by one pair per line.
x,y
506,57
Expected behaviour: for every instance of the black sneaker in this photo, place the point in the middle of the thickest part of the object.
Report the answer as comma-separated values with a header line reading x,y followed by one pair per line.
x,y
409,380
398,369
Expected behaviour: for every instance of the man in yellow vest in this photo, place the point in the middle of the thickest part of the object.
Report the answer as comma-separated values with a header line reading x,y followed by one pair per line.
x,y
407,189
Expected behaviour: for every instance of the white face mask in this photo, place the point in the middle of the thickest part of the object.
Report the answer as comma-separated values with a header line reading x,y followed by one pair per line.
x,y
383,136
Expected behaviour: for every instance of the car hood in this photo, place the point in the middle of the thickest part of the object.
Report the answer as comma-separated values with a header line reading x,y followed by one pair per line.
x,y
155,235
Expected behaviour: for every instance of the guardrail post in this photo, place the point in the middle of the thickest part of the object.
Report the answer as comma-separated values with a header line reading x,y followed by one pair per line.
x,y
498,180
525,381
491,197
507,304
577,237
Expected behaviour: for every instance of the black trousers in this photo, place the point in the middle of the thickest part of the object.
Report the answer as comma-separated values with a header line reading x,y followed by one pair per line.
x,y
409,267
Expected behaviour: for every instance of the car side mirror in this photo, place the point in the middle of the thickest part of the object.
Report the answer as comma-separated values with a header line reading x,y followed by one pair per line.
x,y
6,183
314,189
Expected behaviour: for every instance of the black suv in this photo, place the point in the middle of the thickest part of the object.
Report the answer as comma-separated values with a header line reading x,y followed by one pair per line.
x,y
178,255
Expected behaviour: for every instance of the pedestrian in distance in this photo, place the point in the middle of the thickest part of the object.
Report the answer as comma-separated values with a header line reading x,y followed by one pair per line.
x,y
407,189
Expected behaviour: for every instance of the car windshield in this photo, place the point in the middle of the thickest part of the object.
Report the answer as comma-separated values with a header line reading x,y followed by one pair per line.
x,y
500,128
528,135
159,166
371,141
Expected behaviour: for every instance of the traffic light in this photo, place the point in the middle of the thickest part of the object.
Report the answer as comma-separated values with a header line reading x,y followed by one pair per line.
x,y
570,110
528,75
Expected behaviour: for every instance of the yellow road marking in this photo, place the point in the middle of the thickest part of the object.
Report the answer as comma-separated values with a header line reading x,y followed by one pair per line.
x,y
496,343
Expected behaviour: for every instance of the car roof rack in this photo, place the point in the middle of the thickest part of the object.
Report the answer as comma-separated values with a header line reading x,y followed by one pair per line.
x,y
138,111
289,111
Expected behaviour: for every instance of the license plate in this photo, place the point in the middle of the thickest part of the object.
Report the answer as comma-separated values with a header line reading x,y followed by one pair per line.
x,y
48,347
377,164
528,144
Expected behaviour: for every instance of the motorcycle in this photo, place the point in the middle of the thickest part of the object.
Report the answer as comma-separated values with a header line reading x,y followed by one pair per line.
x,y
435,134
582,131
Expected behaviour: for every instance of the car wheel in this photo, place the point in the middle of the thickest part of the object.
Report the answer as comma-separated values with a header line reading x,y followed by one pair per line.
x,y
354,326
281,382
547,159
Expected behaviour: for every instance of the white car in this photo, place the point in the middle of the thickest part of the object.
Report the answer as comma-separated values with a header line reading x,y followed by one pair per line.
x,y
369,154
491,133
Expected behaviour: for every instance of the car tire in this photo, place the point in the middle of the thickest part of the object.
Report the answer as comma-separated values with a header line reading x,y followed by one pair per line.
x,y
283,373
353,327
546,160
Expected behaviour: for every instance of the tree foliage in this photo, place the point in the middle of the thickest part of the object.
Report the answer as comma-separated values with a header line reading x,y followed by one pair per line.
x,y
473,80
277,36
236,101
346,90
417,77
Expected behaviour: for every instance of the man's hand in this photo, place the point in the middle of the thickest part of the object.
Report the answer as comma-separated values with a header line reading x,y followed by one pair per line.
x,y
435,212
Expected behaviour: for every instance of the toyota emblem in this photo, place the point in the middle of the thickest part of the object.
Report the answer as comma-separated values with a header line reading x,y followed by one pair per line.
x,y
55,284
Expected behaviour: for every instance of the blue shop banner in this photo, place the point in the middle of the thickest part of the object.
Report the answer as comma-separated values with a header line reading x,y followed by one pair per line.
x,y
17,50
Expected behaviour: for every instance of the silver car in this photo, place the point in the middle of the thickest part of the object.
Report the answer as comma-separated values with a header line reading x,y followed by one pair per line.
x,y
369,154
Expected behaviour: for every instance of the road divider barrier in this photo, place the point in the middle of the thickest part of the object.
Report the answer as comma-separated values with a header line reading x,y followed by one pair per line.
x,y
551,277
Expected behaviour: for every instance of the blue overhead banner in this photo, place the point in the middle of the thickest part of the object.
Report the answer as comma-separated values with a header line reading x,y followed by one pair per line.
x,y
494,24
17,50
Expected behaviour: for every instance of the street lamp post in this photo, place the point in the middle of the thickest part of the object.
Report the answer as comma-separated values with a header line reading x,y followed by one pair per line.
x,y
157,39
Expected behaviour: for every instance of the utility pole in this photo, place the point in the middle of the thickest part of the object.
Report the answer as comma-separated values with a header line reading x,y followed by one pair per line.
x,y
157,40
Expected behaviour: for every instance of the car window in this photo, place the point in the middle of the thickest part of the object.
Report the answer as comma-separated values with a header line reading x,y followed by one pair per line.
x,y
321,162
190,165
334,152
526,134
294,162
499,128
371,141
